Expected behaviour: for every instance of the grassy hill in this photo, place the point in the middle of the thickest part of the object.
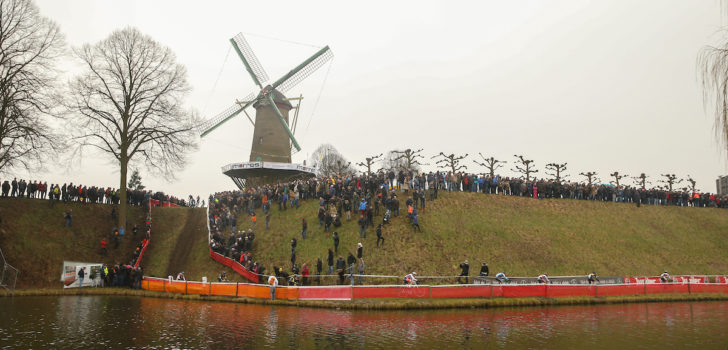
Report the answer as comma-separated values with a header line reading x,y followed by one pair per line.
x,y
523,236
180,244
34,240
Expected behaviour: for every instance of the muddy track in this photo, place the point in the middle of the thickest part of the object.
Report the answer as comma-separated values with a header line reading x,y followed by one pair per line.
x,y
186,240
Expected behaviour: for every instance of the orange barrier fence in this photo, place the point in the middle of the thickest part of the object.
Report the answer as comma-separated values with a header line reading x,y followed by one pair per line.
x,y
261,291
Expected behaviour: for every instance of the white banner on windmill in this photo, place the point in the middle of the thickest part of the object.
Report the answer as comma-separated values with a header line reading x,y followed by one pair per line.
x,y
70,278
269,165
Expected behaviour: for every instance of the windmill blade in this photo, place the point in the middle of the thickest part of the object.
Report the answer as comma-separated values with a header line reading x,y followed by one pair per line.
x,y
303,70
252,65
211,124
283,121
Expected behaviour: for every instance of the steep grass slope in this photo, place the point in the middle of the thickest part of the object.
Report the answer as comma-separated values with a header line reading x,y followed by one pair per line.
x,y
523,236
520,235
34,239
179,244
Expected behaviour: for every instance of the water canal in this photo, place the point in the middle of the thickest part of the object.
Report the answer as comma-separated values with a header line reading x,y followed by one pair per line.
x,y
109,322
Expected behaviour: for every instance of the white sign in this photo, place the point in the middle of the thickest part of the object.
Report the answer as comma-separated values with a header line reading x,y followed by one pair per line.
x,y
70,277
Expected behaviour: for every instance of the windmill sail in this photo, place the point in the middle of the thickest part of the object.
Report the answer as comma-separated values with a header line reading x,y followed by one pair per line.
x,y
252,65
211,124
308,67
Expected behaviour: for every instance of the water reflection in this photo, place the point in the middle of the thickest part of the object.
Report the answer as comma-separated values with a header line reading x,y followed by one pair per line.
x,y
120,322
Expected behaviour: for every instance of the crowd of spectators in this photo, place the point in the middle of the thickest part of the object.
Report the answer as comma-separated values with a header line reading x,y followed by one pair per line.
x,y
71,192
364,197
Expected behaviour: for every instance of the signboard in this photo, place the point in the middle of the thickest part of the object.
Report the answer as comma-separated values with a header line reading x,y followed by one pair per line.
x,y
70,279
269,165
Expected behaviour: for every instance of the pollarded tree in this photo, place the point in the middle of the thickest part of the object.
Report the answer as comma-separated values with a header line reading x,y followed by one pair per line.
x,y
670,180
128,105
525,167
451,162
591,177
369,162
641,180
491,164
409,157
617,176
29,47
557,171
692,182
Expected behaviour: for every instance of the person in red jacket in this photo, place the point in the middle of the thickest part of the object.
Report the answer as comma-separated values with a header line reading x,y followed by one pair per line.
x,y
103,246
304,274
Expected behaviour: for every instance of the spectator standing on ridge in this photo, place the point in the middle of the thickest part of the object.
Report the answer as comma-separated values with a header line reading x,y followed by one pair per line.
x,y
340,266
336,242
103,246
273,282
361,270
465,271
319,269
543,278
359,250
484,269
81,275
69,218
304,227
362,226
330,261
379,235
181,276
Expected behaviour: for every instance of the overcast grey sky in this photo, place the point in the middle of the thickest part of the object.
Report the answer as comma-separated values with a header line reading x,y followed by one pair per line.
x,y
602,85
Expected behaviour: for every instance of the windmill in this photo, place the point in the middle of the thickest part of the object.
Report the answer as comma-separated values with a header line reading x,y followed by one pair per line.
x,y
273,135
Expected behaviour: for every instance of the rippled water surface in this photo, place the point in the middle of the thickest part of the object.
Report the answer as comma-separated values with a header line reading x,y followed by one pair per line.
x,y
104,322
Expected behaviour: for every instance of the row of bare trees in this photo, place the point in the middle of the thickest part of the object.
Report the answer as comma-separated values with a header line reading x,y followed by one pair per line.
x,y
125,103
331,162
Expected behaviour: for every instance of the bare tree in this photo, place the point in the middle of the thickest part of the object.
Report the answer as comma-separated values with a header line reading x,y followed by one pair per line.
x,y
692,182
29,47
410,158
451,162
128,103
641,180
617,176
557,171
329,161
712,65
670,180
591,177
491,163
369,161
525,167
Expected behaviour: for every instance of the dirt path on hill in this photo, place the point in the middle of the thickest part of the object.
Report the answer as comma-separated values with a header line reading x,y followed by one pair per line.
x,y
179,257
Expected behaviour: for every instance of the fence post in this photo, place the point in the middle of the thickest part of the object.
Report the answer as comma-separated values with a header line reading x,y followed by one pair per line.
x,y
237,285
185,287
164,285
689,278
209,292
644,285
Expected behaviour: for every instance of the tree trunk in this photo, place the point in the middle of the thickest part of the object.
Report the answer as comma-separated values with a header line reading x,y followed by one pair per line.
x,y
122,191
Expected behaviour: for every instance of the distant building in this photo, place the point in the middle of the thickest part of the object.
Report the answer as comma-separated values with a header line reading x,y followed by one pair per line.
x,y
722,185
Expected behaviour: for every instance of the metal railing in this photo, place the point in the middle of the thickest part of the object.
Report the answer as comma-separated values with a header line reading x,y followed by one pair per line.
x,y
9,276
